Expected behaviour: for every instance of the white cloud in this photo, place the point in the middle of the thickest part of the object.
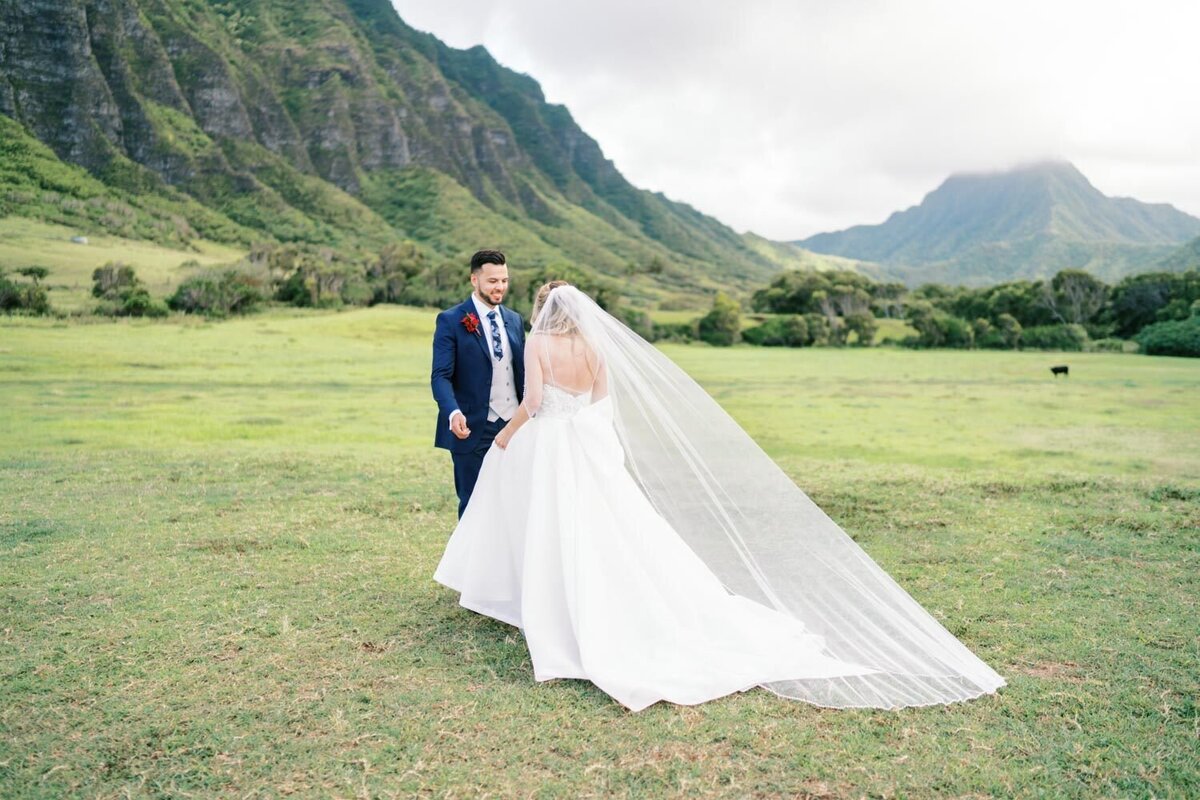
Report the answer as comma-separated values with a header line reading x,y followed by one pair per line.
x,y
790,118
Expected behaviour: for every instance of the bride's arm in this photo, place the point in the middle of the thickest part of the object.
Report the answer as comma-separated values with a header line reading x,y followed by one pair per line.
x,y
532,400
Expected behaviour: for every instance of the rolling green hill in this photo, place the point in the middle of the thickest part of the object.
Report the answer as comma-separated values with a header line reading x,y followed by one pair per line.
x,y
1184,258
1029,222
788,255
328,123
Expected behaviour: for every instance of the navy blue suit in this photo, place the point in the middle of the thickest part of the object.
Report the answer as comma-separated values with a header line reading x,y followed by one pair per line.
x,y
462,378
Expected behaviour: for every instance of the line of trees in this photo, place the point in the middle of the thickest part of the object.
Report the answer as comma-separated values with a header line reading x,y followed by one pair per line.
x,y
316,277
322,278
1073,310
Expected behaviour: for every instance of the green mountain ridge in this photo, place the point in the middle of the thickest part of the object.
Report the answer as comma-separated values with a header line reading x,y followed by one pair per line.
x,y
1185,257
1029,222
326,123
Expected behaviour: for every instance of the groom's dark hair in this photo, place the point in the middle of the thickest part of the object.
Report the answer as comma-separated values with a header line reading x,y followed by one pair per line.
x,y
486,257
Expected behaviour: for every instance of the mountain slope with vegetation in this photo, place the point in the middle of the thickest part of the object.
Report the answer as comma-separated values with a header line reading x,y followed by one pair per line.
x,y
1029,222
1185,257
325,124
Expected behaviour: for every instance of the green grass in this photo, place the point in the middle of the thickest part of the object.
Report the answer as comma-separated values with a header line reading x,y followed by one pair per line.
x,y
218,540
26,242
892,330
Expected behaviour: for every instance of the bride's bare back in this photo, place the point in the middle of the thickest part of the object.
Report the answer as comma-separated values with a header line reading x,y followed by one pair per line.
x,y
565,361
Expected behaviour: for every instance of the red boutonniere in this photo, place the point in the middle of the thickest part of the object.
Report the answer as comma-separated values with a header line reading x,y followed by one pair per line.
x,y
471,323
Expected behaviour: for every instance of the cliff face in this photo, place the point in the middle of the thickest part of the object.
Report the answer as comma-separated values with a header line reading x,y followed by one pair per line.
x,y
309,120
52,82
94,78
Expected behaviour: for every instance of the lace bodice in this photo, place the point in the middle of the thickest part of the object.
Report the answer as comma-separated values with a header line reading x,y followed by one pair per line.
x,y
558,402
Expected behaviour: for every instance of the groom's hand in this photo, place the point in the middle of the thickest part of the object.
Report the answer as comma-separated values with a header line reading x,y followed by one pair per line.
x,y
458,426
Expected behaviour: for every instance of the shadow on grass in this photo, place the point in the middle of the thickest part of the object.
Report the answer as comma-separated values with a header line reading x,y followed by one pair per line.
x,y
478,650
14,532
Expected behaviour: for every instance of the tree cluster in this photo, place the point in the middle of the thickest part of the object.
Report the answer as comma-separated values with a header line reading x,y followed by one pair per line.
x,y
24,297
1073,310
122,294
1173,337
219,293
827,308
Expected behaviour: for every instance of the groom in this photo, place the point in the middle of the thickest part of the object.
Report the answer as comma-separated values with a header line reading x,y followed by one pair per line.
x,y
478,370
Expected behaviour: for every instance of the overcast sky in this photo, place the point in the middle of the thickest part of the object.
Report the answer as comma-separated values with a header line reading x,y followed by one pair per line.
x,y
788,118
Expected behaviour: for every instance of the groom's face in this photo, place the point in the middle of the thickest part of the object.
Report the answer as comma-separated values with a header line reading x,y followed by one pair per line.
x,y
491,282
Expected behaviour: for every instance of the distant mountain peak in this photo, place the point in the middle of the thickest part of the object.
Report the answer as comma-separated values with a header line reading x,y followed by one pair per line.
x,y
1040,170
1033,218
1039,165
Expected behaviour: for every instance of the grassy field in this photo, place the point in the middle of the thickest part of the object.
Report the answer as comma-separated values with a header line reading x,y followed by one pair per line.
x,y
217,543
26,243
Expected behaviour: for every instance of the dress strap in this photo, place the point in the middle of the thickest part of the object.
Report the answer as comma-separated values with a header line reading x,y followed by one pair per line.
x,y
550,365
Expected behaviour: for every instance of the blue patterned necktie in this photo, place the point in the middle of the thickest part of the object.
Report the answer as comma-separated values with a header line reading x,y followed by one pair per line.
x,y
497,350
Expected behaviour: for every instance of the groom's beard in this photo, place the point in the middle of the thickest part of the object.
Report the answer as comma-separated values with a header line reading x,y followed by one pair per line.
x,y
489,301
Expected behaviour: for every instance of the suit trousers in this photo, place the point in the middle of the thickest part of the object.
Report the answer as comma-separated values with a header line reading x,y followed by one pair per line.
x,y
466,465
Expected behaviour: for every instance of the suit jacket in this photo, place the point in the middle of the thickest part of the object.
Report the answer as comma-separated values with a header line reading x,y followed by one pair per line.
x,y
462,371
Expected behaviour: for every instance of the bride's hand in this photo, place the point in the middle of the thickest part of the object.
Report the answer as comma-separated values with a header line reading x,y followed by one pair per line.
x,y
503,436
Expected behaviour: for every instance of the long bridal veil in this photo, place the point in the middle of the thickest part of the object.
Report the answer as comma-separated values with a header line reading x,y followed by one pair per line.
x,y
761,535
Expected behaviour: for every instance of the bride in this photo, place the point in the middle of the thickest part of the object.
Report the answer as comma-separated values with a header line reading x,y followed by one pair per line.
x,y
641,540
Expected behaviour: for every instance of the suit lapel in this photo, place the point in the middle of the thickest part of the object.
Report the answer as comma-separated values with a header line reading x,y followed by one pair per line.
x,y
513,326
481,334
510,327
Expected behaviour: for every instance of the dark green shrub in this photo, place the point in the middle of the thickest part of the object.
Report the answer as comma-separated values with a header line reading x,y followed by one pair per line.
x,y
356,291
1111,345
936,328
722,325
1009,329
863,323
293,290
992,340
35,273
138,303
122,294
113,279
756,335
783,331
393,271
10,295
322,280
819,332
17,296
1174,338
218,294
1140,300
956,332
1054,337
676,331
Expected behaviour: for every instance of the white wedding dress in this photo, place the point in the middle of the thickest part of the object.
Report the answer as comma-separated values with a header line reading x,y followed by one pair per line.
x,y
561,540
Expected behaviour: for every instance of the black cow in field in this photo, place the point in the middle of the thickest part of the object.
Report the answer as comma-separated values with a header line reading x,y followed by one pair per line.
x,y
1061,369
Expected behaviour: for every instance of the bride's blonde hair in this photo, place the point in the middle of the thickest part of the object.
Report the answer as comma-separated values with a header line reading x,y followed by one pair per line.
x,y
539,299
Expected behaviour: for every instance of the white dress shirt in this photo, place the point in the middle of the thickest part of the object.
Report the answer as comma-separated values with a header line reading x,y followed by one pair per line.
x,y
502,402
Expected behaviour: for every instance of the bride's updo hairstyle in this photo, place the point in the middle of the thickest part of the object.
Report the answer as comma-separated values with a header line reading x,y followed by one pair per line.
x,y
557,322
